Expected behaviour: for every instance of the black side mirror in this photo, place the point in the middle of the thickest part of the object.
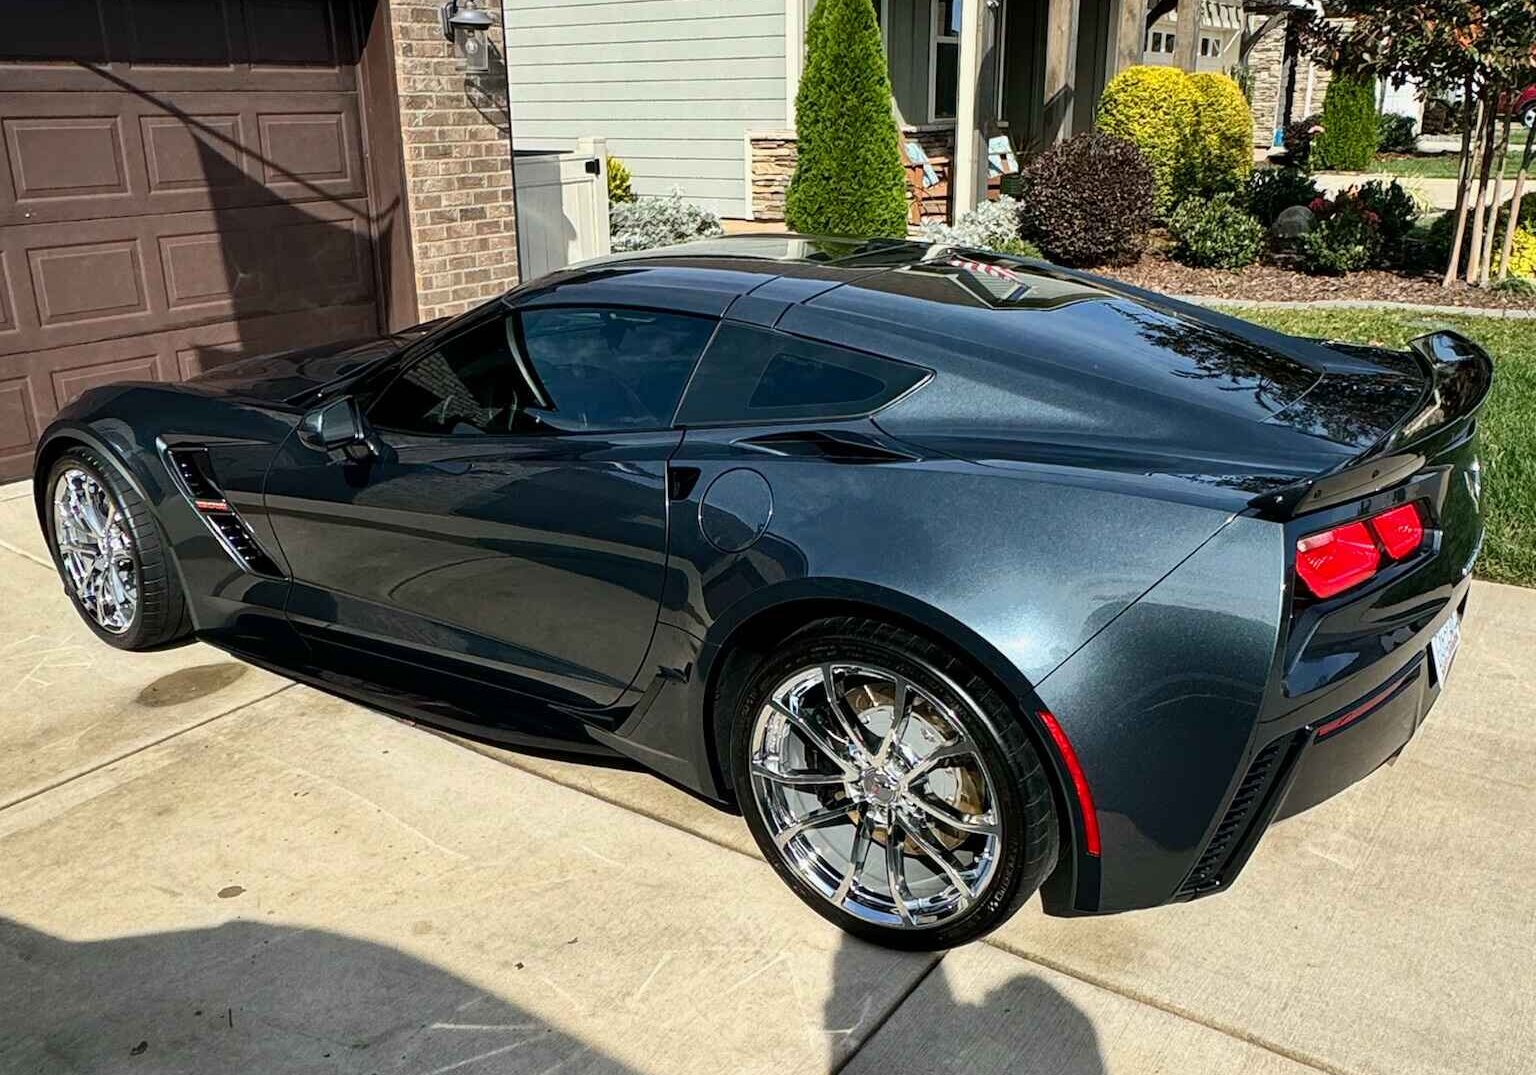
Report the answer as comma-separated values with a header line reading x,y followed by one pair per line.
x,y
337,426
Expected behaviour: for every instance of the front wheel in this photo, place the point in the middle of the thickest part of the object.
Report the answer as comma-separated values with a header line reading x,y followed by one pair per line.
x,y
108,550
893,789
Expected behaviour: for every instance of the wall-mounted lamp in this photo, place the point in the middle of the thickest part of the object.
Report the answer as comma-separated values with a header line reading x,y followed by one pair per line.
x,y
465,24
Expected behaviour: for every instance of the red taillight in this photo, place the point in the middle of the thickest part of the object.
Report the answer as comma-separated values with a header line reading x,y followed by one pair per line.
x,y
1079,782
1333,561
1401,530
1336,560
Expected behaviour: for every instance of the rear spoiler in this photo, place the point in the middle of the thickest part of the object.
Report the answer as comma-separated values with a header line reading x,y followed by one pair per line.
x,y
1458,375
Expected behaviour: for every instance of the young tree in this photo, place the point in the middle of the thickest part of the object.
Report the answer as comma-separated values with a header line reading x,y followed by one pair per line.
x,y
849,177
1486,46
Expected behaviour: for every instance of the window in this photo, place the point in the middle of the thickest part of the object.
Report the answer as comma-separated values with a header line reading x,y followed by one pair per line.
x,y
945,73
562,370
1157,41
755,375
1209,46
1168,42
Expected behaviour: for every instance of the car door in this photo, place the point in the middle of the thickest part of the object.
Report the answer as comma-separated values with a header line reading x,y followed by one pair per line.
x,y
509,522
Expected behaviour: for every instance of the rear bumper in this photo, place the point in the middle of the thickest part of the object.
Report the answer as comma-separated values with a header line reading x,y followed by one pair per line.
x,y
1322,748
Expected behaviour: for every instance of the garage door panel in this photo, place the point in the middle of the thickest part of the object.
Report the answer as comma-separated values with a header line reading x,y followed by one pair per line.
x,y
85,156
88,281
70,384
7,318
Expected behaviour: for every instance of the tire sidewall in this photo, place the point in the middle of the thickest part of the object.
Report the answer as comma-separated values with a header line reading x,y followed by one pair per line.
x,y
1011,762
113,484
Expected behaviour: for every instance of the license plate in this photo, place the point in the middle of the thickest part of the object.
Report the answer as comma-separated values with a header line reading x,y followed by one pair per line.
x,y
1444,645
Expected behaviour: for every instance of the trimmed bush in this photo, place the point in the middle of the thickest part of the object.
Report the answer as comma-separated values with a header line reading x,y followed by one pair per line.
x,y
849,176
619,188
1351,131
1223,149
1437,241
1215,234
1522,255
1346,239
646,223
1395,208
1088,201
1397,133
1271,191
1154,108
992,225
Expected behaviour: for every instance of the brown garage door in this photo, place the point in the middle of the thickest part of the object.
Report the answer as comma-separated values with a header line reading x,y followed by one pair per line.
x,y
183,183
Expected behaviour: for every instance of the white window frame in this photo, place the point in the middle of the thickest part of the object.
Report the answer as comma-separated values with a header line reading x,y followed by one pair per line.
x,y
935,38
1155,42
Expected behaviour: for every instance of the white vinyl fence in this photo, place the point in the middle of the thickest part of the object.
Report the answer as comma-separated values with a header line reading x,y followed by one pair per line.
x,y
562,206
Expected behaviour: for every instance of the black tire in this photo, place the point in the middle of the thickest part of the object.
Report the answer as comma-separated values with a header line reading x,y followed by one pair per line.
x,y
1024,802
161,615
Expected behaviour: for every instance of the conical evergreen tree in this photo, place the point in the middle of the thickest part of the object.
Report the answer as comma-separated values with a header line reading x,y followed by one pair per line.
x,y
849,177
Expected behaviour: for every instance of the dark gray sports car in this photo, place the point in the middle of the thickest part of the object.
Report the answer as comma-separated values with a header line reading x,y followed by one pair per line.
x,y
960,575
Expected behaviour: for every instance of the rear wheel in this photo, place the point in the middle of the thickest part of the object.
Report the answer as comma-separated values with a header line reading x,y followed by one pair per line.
x,y
110,554
893,790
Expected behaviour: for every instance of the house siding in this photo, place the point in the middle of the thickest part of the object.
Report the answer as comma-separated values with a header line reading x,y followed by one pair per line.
x,y
673,85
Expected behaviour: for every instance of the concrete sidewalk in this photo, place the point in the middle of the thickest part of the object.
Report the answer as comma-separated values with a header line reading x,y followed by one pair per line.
x,y
206,868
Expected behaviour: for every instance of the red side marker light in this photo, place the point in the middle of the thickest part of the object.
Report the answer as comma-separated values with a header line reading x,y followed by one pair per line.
x,y
1331,562
1400,529
203,504
1079,783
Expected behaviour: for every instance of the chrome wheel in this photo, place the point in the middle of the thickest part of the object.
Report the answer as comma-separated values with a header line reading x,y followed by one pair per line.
x,y
875,795
96,549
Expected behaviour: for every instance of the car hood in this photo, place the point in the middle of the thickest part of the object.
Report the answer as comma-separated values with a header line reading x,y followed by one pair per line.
x,y
285,375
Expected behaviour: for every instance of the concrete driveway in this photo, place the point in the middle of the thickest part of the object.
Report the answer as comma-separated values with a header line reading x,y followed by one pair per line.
x,y
205,868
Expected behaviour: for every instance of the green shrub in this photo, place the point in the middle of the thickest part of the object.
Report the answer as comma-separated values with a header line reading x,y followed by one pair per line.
x,y
1350,134
1437,241
1396,133
1088,201
1347,239
849,177
1223,145
619,188
1215,234
646,223
1395,208
1271,191
1154,109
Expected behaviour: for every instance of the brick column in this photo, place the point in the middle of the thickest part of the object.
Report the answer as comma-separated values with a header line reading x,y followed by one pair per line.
x,y
456,137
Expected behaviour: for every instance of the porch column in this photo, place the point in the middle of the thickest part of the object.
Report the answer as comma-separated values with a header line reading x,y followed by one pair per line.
x,y
1060,70
1188,32
1130,35
968,179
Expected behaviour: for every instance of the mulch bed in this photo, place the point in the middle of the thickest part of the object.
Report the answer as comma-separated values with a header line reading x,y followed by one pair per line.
x,y
1271,283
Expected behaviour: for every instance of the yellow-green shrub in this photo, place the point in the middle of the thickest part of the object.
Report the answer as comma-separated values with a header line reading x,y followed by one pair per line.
x,y
1155,109
1522,255
619,188
1223,134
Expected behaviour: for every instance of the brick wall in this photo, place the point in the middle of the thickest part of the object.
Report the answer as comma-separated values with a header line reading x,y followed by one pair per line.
x,y
458,165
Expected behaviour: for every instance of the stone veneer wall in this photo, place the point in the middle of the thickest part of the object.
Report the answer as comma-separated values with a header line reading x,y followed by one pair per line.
x,y
773,164
458,165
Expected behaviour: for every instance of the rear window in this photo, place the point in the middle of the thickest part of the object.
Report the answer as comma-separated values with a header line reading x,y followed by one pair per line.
x,y
756,375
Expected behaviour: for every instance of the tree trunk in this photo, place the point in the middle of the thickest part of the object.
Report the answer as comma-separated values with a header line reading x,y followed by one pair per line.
x,y
1514,203
1487,136
1471,119
1500,161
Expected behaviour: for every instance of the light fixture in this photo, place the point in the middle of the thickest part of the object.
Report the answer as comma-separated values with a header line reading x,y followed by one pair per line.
x,y
465,25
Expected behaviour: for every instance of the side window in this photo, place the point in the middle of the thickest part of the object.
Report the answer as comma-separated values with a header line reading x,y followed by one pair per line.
x,y
610,369
469,385
548,370
755,375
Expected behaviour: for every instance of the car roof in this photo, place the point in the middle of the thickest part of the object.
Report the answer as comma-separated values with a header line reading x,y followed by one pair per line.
x,y
758,277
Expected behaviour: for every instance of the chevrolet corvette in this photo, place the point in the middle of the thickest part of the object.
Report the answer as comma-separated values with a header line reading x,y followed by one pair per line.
x,y
960,576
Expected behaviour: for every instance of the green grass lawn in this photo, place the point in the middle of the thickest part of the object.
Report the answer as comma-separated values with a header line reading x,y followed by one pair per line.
x,y
1508,426
1432,166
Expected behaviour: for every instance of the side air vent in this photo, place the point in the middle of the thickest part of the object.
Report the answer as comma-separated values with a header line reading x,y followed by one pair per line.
x,y
194,473
1246,808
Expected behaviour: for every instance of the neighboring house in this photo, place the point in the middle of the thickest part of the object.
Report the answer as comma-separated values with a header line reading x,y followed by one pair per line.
x,y
699,95
1221,36
186,183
